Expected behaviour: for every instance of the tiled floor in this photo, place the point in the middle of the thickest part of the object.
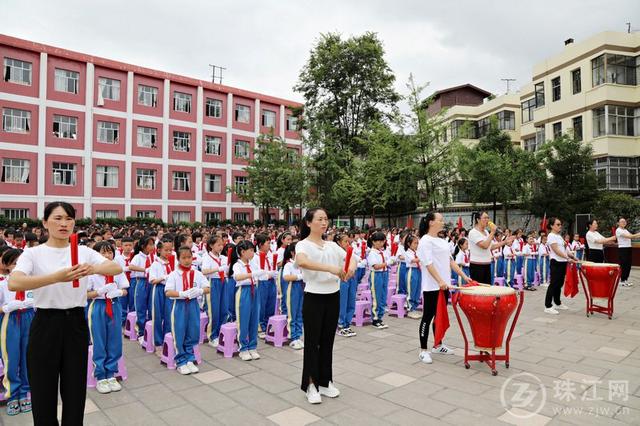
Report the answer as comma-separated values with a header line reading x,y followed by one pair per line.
x,y
588,369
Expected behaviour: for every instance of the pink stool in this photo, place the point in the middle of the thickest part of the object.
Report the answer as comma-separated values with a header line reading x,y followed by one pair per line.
x,y
227,340
397,300
278,311
365,295
2,398
169,352
362,287
277,332
130,326
536,280
363,313
499,281
204,321
519,281
148,343
91,380
391,290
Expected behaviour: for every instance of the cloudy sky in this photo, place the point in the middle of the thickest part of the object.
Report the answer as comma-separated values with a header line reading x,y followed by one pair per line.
x,y
264,44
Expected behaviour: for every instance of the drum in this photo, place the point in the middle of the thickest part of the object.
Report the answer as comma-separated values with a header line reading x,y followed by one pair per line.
x,y
488,310
601,278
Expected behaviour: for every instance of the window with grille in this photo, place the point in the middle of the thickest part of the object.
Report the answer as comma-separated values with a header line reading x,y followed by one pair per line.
x,y
109,88
17,71
106,214
66,81
181,102
108,132
147,137
268,118
539,94
64,174
240,184
213,108
241,217
576,81
181,181
65,127
107,176
209,216
14,214
181,141
146,179
555,89
16,120
147,95
212,145
178,217
143,214
292,123
577,127
212,183
15,170
241,149
243,114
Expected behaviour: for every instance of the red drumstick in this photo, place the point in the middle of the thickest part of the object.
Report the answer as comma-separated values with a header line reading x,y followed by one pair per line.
x,y
347,261
73,242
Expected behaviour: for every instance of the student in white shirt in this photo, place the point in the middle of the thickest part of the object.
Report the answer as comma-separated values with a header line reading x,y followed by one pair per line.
x,y
142,260
595,242
283,242
294,297
215,268
624,250
360,249
414,276
559,257
160,307
380,260
265,260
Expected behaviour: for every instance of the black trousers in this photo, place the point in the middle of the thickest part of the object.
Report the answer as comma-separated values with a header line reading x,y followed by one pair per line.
x,y
624,257
57,354
596,256
320,319
480,272
557,271
430,306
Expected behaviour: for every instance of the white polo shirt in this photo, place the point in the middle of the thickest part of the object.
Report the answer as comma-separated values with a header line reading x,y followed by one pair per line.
x,y
329,253
623,238
434,251
559,242
479,254
592,236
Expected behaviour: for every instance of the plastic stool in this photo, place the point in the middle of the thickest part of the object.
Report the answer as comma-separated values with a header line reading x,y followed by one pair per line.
x,y
148,344
519,281
536,279
130,326
398,300
169,352
277,332
228,339
391,290
204,321
362,287
498,281
278,309
363,313
2,397
366,295
91,380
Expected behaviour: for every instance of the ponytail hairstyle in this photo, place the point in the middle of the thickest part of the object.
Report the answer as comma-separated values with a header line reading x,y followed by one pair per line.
x,y
211,242
289,253
376,236
459,245
142,243
408,241
308,217
260,240
423,227
104,245
179,240
241,247
9,256
281,238
339,237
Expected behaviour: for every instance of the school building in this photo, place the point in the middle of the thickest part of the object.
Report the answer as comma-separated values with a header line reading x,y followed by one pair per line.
x,y
119,140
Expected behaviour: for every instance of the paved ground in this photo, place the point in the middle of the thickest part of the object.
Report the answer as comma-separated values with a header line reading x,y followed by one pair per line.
x,y
582,363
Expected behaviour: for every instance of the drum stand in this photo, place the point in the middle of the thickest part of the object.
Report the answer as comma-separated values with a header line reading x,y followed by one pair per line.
x,y
483,355
592,307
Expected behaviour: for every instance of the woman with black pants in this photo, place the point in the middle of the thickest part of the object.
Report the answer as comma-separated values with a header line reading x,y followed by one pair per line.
x,y
435,263
558,267
59,334
322,263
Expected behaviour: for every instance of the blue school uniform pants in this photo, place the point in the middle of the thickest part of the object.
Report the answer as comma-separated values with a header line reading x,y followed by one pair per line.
x,y
414,287
283,286
402,278
294,298
544,265
360,273
144,292
509,272
247,310
519,264
229,300
185,328
530,271
215,302
106,336
348,290
379,281
14,332
128,301
268,295
160,314
497,268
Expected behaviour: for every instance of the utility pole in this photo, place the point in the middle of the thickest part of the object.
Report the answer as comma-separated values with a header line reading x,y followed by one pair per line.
x,y
508,80
628,27
216,72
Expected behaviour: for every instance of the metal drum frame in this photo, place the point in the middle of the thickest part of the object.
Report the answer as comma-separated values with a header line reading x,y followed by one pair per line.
x,y
593,307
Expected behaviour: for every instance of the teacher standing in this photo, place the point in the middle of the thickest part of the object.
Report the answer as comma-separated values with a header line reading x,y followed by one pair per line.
x,y
624,251
595,242
558,267
481,243
59,334
322,263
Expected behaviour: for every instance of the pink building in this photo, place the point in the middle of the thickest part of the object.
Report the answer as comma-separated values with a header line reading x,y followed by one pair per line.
x,y
120,140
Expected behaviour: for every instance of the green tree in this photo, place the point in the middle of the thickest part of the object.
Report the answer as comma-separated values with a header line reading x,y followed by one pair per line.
x,y
611,206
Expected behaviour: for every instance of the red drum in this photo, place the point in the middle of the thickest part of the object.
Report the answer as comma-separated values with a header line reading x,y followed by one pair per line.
x,y
488,310
600,281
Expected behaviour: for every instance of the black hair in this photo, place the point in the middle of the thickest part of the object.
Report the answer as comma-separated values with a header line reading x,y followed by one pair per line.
x,y
423,227
196,235
459,245
237,252
9,231
289,252
589,223
142,243
10,256
376,236
260,240
30,236
339,237
308,217
281,238
183,248
127,240
179,240
553,219
409,240
236,235
17,235
104,245
3,249
68,209
161,243
211,242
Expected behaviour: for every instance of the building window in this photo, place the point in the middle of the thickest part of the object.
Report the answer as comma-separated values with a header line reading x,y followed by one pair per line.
x,y
599,122
212,183
64,174
617,173
621,69
464,129
241,217
212,145
240,184
577,128
530,144
292,123
241,149
147,96
108,132
109,88
17,71
66,81
14,214
146,179
483,126
179,217
181,102
597,71
540,136
181,141
213,108
15,170
506,120
621,120
576,81
65,127
106,214
147,137
145,214
268,118
243,114
181,181
557,130
16,120
527,110
211,216
555,89
539,94
107,176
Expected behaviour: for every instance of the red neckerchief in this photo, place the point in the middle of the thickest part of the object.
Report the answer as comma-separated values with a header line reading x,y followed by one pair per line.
x,y
275,262
147,264
466,257
188,275
108,279
219,262
385,263
521,241
363,249
416,257
126,263
251,278
168,267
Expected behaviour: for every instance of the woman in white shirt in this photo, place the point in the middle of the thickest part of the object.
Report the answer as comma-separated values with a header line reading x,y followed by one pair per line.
x,y
558,266
436,264
624,250
322,264
595,241
59,335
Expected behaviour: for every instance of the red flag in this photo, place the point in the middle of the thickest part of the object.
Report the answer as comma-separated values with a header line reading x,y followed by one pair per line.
x,y
543,224
73,243
347,261
459,222
410,222
442,319
571,281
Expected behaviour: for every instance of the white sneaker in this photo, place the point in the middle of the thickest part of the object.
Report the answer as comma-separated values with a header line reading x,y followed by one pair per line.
x,y
414,315
551,311
262,335
141,340
254,354
114,385
442,349
425,357
192,367
215,342
184,370
245,356
313,396
330,391
296,344
561,307
103,386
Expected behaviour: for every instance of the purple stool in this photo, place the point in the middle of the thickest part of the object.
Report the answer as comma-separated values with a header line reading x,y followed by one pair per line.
x,y
169,352
398,300
498,281
91,380
204,321
130,326
148,343
519,281
277,332
536,279
363,313
278,311
227,340
2,398
391,291
365,295
362,287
